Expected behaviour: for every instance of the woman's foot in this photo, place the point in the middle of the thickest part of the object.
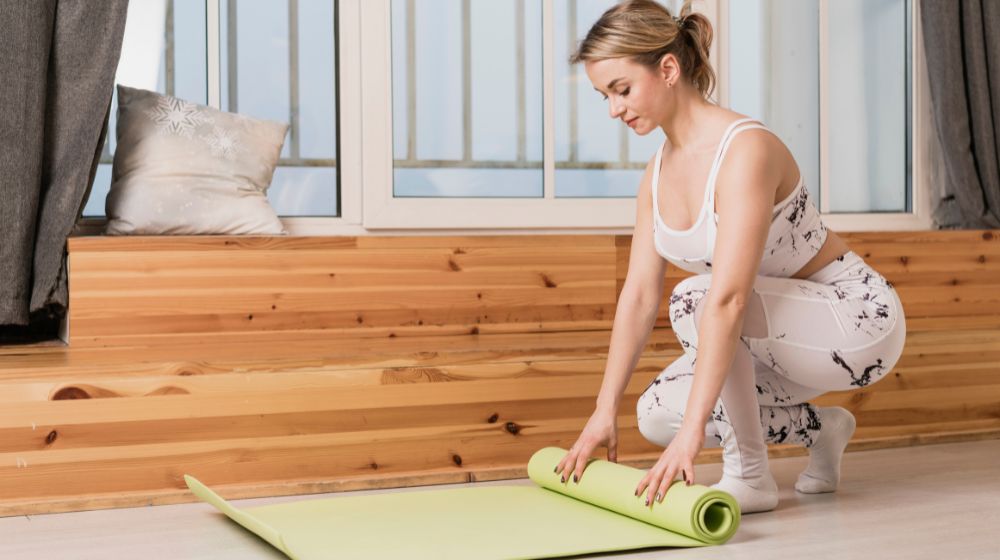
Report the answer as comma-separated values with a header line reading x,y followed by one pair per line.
x,y
823,473
753,496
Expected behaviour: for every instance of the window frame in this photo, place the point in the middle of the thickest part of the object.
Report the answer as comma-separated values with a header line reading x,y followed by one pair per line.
x,y
384,213
365,145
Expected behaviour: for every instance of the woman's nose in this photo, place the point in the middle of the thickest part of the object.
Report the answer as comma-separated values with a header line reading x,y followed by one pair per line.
x,y
615,109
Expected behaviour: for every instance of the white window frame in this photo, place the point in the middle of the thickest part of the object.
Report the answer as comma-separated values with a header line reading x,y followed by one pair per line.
x,y
382,212
924,150
365,141
920,127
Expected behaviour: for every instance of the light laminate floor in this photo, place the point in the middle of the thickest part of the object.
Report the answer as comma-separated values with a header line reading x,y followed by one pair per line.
x,y
930,501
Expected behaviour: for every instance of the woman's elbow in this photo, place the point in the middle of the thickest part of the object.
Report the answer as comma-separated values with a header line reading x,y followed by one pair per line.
x,y
728,304
641,296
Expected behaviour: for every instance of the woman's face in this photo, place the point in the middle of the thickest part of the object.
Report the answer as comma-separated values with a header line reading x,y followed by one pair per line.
x,y
635,94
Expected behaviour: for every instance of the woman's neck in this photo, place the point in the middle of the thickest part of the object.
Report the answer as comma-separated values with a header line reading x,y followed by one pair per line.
x,y
685,129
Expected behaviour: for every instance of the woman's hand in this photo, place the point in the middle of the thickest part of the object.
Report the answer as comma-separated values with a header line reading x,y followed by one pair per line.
x,y
601,429
677,458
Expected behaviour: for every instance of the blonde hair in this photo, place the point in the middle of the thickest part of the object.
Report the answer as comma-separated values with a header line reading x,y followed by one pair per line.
x,y
644,31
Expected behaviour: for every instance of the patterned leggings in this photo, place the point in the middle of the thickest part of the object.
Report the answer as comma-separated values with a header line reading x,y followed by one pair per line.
x,y
840,329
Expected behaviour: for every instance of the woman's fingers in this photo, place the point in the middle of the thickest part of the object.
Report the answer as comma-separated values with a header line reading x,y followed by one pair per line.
x,y
613,450
642,485
689,473
655,476
569,459
581,460
668,478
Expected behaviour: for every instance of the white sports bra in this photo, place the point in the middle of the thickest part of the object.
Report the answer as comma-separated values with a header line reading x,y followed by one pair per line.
x,y
797,233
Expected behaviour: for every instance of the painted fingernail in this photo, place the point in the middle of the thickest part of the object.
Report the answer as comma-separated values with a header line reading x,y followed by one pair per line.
x,y
575,479
657,497
562,478
556,469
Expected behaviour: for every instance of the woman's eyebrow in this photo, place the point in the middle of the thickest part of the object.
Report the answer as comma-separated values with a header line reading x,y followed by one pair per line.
x,y
611,84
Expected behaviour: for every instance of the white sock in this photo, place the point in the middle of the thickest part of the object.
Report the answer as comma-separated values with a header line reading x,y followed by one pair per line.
x,y
752,495
823,472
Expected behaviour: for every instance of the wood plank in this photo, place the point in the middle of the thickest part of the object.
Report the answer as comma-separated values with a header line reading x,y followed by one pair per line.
x,y
483,348
256,242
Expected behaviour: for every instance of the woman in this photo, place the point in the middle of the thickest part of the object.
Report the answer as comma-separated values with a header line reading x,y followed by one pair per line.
x,y
779,309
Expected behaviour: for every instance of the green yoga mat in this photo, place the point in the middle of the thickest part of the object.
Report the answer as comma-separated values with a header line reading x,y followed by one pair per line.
x,y
598,514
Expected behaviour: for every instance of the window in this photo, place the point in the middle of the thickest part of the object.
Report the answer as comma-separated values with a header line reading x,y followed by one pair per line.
x,y
420,117
832,79
595,155
466,97
501,137
277,60
843,84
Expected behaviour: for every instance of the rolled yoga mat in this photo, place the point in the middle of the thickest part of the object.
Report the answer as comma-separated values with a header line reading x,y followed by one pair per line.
x,y
599,514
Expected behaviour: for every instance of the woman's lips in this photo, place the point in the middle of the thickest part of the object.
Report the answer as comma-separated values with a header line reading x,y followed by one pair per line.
x,y
632,122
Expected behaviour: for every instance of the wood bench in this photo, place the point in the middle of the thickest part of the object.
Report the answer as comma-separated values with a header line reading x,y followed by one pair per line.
x,y
273,366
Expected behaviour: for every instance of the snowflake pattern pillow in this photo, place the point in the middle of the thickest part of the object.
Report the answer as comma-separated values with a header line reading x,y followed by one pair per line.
x,y
187,169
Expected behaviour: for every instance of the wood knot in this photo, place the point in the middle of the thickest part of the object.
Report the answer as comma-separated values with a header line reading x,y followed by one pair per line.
x,y
459,251
474,330
453,265
987,235
548,282
250,317
168,390
397,376
904,260
512,428
373,465
457,460
954,281
982,258
70,393
273,307
360,319
492,419
51,437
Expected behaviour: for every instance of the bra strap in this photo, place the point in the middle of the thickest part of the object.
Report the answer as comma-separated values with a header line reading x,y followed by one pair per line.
x,y
656,179
723,148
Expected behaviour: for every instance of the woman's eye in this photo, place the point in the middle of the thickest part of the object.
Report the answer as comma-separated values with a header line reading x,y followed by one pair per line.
x,y
625,91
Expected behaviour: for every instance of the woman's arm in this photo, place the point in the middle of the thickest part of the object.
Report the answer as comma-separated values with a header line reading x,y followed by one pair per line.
x,y
745,194
638,302
635,315
745,191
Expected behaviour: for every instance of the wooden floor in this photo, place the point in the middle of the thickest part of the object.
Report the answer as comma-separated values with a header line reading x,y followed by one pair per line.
x,y
927,501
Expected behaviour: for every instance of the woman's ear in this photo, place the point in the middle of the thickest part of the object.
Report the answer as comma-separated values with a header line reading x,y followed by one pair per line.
x,y
668,67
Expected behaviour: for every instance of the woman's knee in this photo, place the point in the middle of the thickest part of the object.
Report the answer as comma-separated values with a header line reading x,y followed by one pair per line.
x,y
659,411
657,423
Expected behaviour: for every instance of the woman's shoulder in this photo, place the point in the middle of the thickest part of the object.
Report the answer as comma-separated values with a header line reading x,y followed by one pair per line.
x,y
751,132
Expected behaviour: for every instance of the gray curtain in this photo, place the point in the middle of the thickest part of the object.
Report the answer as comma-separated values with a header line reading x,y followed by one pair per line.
x,y
962,42
57,66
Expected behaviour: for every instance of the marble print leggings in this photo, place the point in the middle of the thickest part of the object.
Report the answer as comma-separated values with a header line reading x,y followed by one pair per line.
x,y
840,329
